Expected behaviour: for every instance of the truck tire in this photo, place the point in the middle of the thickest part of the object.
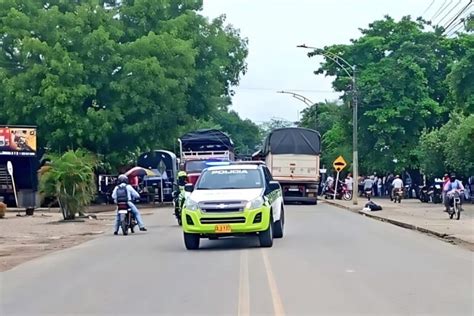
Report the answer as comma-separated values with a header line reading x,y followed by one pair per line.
x,y
191,241
279,226
266,237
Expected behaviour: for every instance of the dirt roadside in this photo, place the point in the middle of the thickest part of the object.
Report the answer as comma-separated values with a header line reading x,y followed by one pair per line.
x,y
28,237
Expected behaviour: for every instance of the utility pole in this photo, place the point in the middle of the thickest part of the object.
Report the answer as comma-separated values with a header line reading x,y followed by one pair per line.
x,y
355,158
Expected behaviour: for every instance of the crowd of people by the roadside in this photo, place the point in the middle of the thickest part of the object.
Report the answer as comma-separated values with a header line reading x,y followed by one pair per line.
x,y
383,186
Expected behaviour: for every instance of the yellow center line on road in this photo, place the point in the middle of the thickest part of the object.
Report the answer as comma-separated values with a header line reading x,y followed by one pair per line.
x,y
244,292
277,303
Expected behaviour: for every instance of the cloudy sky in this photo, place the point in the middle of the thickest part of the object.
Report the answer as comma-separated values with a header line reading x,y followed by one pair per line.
x,y
275,27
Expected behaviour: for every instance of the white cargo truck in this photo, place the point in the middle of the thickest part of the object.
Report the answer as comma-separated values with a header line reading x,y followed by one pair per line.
x,y
292,155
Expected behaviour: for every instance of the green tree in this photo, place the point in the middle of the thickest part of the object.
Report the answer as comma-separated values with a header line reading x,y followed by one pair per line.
x,y
114,76
449,148
332,121
274,123
401,70
70,178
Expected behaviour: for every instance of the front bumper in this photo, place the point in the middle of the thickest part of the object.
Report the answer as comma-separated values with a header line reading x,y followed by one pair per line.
x,y
198,222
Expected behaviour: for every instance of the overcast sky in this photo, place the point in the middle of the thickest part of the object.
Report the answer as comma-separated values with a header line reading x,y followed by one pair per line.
x,y
275,27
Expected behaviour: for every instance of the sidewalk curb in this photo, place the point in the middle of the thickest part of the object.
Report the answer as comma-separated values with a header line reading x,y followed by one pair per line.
x,y
445,237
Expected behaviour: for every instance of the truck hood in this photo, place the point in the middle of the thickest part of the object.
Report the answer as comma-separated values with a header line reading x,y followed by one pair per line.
x,y
226,195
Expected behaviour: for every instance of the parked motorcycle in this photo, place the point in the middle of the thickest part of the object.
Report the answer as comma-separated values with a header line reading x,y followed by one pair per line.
x,y
342,192
424,194
436,193
126,219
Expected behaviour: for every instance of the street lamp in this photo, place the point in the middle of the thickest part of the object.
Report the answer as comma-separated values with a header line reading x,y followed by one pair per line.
x,y
298,97
355,161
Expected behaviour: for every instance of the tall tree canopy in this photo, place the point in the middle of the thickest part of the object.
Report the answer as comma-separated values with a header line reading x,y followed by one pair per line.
x,y
114,76
409,78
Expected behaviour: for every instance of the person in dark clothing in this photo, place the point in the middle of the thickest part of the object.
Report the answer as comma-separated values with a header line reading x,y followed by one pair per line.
x,y
388,185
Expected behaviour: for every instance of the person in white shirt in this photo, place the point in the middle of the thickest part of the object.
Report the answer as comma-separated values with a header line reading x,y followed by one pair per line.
x,y
349,182
397,184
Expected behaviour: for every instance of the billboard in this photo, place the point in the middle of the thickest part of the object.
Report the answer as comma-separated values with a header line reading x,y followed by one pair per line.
x,y
17,140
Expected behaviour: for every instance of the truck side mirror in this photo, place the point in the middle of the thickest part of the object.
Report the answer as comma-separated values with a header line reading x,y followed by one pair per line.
x,y
189,187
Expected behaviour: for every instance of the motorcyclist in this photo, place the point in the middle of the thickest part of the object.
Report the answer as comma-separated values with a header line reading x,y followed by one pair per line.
x,y
451,186
182,180
397,184
131,194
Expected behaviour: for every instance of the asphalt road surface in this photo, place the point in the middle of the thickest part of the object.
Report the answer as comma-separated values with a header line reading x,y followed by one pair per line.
x,y
331,262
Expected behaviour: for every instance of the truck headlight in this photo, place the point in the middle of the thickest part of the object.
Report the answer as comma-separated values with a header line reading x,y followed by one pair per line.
x,y
191,204
254,204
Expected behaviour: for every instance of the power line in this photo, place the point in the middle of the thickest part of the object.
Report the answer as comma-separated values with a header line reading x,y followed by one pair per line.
x,y
455,29
277,89
437,11
458,15
454,26
449,12
428,8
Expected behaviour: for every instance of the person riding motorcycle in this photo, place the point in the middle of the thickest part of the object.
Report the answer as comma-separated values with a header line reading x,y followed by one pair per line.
x,y
131,194
180,194
182,180
451,186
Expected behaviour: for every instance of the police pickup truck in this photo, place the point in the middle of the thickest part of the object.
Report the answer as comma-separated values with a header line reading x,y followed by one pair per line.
x,y
234,199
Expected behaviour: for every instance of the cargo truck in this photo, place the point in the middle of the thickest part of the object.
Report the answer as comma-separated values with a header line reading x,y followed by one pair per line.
x,y
292,155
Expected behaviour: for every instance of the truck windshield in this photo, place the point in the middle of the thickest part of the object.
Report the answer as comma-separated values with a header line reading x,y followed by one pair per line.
x,y
195,166
230,179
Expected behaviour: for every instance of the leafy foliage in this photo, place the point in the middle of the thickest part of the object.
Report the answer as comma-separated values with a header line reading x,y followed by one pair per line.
x,y
70,178
408,80
114,76
449,146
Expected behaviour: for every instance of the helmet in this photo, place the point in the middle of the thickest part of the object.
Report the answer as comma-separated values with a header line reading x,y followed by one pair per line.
x,y
397,176
453,177
122,179
182,174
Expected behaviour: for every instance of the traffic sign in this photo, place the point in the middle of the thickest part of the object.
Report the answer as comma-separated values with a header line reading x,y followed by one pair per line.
x,y
339,164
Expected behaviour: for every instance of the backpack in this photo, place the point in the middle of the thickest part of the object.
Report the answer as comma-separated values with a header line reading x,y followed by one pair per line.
x,y
373,207
122,194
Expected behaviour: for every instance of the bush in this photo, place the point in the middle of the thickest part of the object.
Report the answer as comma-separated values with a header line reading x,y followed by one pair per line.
x,y
70,179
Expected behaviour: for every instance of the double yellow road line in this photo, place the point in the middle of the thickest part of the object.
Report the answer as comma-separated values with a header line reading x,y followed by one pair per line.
x,y
244,285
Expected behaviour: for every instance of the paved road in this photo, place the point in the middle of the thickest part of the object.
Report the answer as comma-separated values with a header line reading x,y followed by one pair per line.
x,y
331,262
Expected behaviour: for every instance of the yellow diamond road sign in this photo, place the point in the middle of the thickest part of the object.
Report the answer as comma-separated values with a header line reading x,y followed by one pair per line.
x,y
339,164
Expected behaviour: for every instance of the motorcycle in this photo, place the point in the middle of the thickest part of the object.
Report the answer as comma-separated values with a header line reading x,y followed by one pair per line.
x,y
397,195
126,219
424,194
436,193
179,196
342,192
177,203
455,204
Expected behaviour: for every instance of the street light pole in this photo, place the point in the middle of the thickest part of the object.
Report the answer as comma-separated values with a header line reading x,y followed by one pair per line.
x,y
298,97
355,154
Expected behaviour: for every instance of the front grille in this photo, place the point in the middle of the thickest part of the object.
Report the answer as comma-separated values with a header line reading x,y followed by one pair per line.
x,y
221,210
223,220
222,206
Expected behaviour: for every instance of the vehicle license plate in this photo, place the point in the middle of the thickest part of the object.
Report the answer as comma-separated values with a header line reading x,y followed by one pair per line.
x,y
222,229
122,211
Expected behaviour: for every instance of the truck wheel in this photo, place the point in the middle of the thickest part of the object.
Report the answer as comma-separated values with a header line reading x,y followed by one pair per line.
x,y
266,237
191,241
278,226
